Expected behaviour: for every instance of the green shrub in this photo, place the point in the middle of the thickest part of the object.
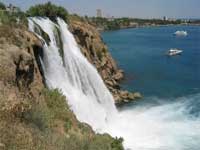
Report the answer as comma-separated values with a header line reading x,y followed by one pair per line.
x,y
68,125
52,108
76,17
48,10
117,144
41,127
2,6
13,19
39,116
57,104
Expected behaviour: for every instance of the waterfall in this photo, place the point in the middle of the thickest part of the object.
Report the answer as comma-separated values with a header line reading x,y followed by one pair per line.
x,y
163,127
70,72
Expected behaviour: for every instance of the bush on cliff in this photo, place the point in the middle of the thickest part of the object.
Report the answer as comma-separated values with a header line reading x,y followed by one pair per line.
x,y
15,18
48,123
48,10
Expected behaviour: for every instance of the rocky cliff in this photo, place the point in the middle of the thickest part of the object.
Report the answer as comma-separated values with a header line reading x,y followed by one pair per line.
x,y
32,117
18,66
97,53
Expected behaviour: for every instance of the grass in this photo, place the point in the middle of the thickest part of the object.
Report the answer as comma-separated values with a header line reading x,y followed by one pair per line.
x,y
13,19
49,124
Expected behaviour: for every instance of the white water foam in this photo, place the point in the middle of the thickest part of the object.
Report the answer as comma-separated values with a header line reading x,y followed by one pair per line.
x,y
163,127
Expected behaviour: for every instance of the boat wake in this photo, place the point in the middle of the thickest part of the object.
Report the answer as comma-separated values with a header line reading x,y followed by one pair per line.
x,y
163,127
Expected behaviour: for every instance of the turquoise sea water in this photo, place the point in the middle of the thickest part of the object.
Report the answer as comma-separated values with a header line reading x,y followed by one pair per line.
x,y
168,116
141,53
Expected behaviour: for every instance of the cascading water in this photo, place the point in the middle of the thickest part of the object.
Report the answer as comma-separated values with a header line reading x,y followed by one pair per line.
x,y
164,127
79,81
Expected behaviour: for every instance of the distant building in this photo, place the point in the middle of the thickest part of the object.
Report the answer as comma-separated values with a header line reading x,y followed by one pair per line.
x,y
99,13
12,9
111,18
165,18
133,24
172,19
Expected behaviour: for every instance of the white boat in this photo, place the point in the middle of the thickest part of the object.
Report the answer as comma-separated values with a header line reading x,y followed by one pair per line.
x,y
181,33
173,52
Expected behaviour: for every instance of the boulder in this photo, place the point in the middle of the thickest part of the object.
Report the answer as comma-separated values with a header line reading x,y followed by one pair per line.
x,y
119,75
137,95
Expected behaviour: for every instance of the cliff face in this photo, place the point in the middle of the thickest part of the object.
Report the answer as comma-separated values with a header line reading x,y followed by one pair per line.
x,y
20,83
32,117
97,53
18,66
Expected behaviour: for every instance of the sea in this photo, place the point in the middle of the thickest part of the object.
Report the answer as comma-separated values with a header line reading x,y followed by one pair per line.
x,y
168,115
142,54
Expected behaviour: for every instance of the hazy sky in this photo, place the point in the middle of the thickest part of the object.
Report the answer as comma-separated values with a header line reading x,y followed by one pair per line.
x,y
129,8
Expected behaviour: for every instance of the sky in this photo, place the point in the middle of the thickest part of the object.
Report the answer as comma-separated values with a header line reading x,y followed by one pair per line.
x,y
124,8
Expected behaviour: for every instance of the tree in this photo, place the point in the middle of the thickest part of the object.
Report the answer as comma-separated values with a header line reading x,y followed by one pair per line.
x,y
48,10
2,6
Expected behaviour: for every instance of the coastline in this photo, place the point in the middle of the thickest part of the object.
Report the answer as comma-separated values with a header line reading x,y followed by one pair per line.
x,y
146,26
97,53
144,52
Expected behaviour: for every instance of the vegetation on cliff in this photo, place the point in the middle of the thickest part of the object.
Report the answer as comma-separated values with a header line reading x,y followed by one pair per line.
x,y
31,116
47,123
14,18
48,10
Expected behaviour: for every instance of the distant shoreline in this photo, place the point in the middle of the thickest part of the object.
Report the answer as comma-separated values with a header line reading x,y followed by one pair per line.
x,y
146,26
110,24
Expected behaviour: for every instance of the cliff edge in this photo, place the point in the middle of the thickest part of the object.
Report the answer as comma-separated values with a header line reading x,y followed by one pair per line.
x,y
94,49
31,116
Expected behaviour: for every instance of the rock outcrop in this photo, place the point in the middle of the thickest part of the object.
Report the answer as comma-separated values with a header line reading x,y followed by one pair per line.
x,y
96,52
18,65
32,117
19,61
